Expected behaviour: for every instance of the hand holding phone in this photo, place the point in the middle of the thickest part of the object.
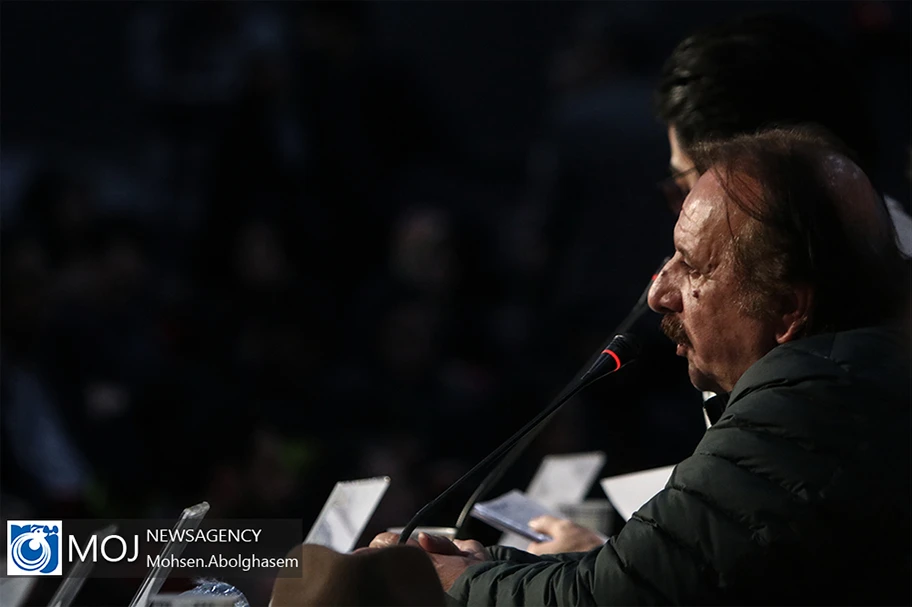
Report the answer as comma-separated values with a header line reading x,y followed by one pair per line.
x,y
512,512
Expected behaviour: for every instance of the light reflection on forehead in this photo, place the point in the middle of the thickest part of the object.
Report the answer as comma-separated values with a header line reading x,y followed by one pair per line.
x,y
706,226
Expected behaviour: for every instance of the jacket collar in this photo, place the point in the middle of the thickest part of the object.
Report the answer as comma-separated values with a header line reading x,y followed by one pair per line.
x,y
714,407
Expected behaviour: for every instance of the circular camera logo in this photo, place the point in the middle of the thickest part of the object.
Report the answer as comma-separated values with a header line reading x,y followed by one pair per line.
x,y
34,547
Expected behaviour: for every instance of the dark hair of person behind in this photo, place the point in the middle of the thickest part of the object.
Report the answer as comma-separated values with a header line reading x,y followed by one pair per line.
x,y
819,222
759,72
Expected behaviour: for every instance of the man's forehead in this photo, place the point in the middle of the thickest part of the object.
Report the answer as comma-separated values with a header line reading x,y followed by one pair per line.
x,y
707,216
705,201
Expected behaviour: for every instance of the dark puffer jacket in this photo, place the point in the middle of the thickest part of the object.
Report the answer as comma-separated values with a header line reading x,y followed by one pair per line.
x,y
799,494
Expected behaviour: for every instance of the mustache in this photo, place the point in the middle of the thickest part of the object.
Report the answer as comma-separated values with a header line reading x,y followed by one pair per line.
x,y
673,328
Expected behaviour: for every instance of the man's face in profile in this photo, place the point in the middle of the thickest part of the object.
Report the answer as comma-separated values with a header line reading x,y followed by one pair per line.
x,y
698,292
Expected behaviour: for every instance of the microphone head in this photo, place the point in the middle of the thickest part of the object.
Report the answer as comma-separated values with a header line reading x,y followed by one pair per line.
x,y
626,347
622,349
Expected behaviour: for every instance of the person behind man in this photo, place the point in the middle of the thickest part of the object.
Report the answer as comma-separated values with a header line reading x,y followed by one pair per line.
x,y
758,72
783,295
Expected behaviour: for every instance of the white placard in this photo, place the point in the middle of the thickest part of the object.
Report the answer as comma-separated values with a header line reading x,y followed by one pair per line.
x,y
347,512
190,518
628,492
77,576
560,479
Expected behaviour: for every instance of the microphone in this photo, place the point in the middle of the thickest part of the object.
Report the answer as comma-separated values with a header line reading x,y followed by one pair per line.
x,y
620,350
593,366
605,365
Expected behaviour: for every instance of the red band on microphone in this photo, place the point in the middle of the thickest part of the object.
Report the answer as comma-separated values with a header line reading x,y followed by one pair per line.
x,y
616,358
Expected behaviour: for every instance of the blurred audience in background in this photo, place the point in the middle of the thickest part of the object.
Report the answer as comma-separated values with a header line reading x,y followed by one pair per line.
x,y
251,249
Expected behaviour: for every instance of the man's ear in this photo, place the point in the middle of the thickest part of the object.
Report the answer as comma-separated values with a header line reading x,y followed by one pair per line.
x,y
794,314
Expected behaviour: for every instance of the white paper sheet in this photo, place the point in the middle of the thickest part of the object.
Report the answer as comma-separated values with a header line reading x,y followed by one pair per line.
x,y
347,512
628,492
560,479
190,518
77,575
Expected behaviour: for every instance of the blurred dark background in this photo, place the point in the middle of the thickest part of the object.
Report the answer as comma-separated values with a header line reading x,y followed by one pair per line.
x,y
251,249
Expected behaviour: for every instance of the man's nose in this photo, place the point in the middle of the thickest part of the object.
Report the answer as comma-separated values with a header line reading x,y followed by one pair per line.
x,y
664,297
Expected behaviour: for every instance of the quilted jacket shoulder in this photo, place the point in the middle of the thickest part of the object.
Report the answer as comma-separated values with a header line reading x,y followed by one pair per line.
x,y
799,494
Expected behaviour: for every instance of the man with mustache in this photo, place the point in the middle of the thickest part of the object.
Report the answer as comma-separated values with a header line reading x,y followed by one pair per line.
x,y
737,77
784,294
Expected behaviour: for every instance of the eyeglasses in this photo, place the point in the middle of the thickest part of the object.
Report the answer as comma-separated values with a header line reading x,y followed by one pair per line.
x,y
676,189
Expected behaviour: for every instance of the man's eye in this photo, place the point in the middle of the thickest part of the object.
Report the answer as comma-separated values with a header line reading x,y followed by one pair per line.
x,y
689,268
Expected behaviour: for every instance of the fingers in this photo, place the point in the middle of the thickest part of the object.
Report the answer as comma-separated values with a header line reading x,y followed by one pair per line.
x,y
472,547
540,548
382,540
387,539
437,544
433,544
547,524
469,545
567,536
